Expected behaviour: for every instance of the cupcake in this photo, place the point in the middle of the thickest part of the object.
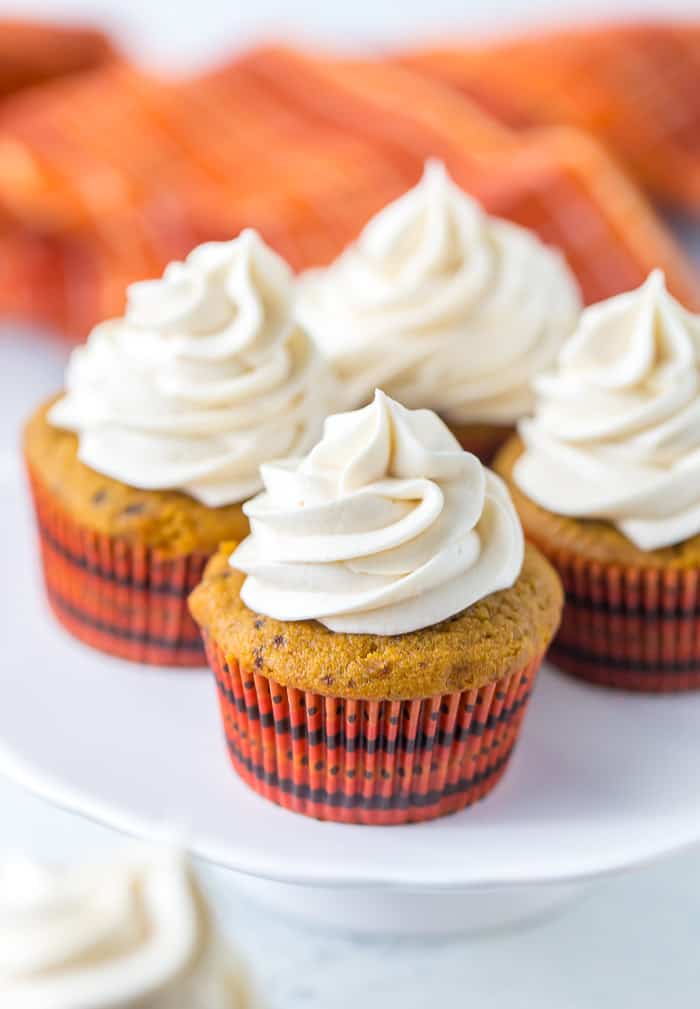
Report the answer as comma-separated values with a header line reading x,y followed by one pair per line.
x,y
136,933
139,469
606,478
376,638
444,308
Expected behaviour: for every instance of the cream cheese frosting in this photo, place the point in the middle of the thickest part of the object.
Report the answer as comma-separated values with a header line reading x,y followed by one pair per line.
x,y
206,376
442,306
616,433
135,934
385,527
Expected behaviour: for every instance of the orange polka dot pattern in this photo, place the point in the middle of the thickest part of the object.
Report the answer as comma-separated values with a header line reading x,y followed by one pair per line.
x,y
368,762
119,597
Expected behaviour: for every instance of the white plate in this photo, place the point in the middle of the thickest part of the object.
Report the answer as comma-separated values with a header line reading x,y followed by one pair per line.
x,y
601,781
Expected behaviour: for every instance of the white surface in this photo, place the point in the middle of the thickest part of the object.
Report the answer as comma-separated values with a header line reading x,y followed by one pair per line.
x,y
572,803
367,913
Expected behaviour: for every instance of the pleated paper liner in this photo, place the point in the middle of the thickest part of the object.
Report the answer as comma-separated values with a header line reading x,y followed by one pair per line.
x,y
368,762
630,628
119,597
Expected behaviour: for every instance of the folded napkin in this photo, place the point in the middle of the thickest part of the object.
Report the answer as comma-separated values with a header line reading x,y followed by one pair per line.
x,y
31,52
107,176
635,87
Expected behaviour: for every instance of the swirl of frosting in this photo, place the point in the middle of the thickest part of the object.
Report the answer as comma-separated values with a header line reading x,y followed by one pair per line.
x,y
133,934
385,527
616,433
442,306
206,376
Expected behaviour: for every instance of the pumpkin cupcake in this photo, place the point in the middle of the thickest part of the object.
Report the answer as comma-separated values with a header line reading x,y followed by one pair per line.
x,y
376,638
606,478
445,308
139,469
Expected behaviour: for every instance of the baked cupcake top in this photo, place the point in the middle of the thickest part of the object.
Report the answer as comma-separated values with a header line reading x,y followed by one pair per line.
x,y
616,432
386,527
206,376
442,306
136,933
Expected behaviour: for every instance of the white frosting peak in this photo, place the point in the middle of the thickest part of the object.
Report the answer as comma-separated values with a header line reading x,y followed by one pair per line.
x,y
442,306
133,934
616,433
206,376
385,527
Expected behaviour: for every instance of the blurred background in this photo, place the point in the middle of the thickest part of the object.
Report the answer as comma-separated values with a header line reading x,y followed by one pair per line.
x,y
189,35
130,131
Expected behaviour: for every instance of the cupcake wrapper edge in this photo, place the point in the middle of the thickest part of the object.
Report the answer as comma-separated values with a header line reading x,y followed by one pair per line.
x,y
629,628
119,597
368,762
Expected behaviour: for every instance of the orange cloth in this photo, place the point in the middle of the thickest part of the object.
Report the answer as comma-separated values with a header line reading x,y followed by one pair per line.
x,y
31,52
106,176
635,87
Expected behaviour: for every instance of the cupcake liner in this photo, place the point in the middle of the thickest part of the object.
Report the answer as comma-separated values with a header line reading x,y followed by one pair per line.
x,y
368,762
119,597
630,628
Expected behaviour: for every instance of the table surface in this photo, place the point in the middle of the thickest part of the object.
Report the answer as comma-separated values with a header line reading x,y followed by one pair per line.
x,y
633,939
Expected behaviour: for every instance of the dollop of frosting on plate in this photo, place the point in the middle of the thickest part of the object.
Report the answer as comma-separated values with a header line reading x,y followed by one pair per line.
x,y
134,934
387,526
616,432
207,375
442,306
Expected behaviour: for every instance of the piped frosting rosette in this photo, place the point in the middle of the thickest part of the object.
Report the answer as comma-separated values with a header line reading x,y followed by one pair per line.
x,y
442,306
207,375
616,433
135,934
385,527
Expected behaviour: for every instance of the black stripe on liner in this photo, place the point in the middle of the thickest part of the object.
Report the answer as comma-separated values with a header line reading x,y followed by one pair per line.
x,y
659,667
422,743
89,568
168,644
620,610
359,801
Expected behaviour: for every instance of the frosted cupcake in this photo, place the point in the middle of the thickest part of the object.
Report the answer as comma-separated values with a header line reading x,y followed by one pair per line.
x,y
139,469
375,662
133,934
606,478
443,307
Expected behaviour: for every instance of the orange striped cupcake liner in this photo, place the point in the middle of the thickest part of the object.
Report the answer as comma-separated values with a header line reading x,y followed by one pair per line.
x,y
630,628
119,597
368,762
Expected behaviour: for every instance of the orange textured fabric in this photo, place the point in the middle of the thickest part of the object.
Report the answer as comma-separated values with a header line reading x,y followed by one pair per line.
x,y
635,87
31,52
106,178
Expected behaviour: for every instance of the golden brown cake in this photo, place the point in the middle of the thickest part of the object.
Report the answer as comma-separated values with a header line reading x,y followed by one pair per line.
x,y
592,539
605,478
375,662
494,638
170,521
119,562
138,469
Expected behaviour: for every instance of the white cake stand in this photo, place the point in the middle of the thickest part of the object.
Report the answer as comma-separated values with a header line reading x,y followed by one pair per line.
x,y
600,783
